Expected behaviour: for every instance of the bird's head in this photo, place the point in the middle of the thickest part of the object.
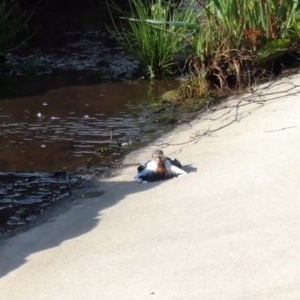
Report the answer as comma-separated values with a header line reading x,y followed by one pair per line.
x,y
158,155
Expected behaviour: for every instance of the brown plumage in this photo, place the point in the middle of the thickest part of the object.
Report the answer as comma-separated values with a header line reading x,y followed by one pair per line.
x,y
159,157
161,168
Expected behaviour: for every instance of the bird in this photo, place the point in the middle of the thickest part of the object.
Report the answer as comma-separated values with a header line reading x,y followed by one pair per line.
x,y
158,168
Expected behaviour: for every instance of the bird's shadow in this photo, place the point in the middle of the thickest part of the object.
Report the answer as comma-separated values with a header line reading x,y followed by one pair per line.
x,y
77,216
189,169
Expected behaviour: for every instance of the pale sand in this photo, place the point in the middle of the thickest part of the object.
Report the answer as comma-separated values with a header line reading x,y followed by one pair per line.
x,y
228,230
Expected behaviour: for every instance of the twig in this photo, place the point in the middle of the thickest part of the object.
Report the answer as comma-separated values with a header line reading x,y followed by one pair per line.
x,y
280,129
255,97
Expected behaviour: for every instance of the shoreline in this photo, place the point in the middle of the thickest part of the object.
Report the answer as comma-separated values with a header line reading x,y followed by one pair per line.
x,y
227,230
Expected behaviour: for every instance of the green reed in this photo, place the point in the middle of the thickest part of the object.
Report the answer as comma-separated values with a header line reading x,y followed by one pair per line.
x,y
247,25
234,36
228,39
153,32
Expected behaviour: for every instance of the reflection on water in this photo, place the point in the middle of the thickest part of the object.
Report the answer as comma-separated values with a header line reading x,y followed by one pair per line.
x,y
24,196
52,139
63,128
58,127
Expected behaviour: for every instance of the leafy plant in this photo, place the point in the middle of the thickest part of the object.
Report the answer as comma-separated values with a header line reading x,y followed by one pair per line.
x,y
153,32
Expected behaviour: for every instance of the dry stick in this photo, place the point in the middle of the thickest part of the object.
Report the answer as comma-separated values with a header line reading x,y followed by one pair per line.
x,y
260,99
280,129
199,136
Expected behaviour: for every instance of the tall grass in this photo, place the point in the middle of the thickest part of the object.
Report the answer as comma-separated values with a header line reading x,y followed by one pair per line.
x,y
229,39
255,21
234,36
153,32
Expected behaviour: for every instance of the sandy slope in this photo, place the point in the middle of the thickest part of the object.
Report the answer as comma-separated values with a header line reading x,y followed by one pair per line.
x,y
228,230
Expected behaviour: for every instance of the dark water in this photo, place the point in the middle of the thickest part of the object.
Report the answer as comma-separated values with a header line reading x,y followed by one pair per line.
x,y
68,111
66,130
25,195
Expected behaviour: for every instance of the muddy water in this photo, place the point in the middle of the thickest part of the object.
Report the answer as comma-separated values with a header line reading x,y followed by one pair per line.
x,y
67,127
52,138
63,125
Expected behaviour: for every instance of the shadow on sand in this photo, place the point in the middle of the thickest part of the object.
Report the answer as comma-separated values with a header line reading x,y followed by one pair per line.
x,y
74,218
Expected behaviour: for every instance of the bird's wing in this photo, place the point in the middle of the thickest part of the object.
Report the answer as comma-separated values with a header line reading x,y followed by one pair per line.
x,y
174,170
150,167
177,171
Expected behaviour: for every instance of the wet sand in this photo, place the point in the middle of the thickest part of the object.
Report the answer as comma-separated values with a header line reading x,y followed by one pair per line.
x,y
227,230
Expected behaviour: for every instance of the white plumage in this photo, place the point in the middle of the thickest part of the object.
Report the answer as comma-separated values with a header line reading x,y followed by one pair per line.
x,y
159,168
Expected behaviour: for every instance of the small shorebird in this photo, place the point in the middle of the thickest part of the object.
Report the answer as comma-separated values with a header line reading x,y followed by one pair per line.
x,y
159,168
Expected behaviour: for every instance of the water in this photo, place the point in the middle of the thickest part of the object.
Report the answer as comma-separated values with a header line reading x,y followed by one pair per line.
x,y
68,112
56,131
64,128
25,195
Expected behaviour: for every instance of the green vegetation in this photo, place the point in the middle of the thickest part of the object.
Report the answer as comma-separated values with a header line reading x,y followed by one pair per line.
x,y
225,41
236,36
153,31
13,22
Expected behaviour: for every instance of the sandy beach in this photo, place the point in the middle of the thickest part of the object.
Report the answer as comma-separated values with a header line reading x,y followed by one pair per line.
x,y
227,230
